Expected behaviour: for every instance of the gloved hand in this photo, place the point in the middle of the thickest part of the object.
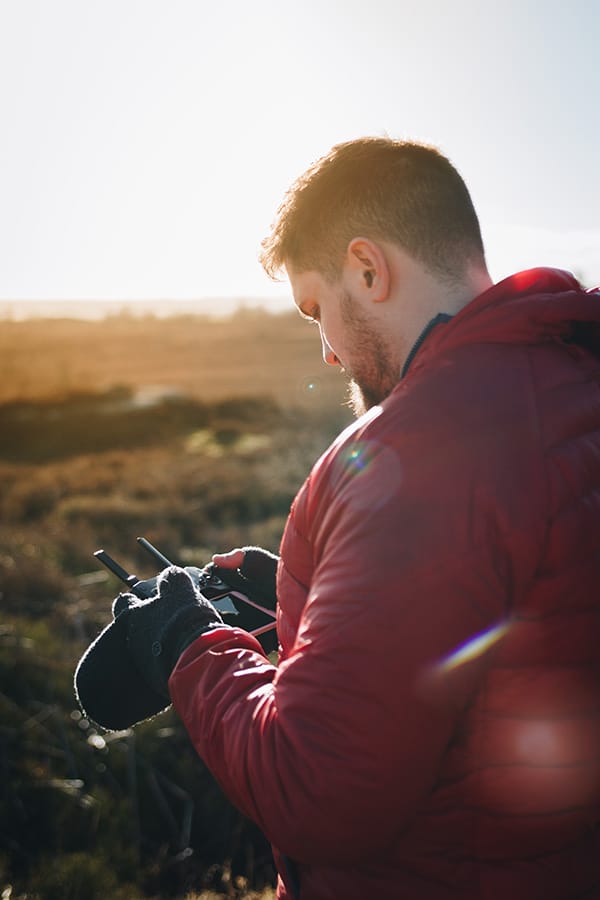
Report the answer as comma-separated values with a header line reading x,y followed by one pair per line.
x,y
159,629
258,568
118,680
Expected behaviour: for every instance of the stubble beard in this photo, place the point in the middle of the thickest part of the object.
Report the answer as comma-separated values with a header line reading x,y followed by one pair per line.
x,y
374,373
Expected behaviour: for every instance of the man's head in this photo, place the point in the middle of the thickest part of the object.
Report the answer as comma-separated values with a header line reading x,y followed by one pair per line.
x,y
377,237
396,191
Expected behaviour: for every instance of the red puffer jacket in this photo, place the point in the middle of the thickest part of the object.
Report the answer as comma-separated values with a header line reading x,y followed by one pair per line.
x,y
433,728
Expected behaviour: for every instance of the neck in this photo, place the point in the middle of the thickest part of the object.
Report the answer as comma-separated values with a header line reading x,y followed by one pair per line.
x,y
451,298
421,297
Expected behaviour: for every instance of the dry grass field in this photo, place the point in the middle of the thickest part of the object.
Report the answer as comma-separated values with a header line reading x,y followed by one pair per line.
x,y
196,433
251,353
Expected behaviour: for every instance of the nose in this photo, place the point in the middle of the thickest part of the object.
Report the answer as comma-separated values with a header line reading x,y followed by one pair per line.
x,y
328,354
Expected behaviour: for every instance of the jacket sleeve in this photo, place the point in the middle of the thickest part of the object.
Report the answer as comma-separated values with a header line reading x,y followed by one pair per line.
x,y
334,751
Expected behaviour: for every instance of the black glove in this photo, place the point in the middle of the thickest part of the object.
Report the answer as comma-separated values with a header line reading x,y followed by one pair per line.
x,y
259,575
118,681
260,568
160,629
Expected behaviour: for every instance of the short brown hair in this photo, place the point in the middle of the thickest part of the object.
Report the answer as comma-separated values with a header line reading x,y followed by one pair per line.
x,y
383,189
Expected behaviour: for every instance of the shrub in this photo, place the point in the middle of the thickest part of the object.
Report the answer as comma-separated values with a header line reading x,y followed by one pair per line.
x,y
87,814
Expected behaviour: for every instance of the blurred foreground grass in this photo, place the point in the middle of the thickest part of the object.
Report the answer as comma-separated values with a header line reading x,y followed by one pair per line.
x,y
135,814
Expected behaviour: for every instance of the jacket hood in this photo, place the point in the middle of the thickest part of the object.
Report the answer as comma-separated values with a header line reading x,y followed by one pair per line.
x,y
530,306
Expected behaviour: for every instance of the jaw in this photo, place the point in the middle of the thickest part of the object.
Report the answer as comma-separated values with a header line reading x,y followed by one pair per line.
x,y
356,400
362,398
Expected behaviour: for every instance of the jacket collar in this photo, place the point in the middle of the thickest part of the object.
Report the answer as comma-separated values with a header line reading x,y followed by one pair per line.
x,y
537,304
437,320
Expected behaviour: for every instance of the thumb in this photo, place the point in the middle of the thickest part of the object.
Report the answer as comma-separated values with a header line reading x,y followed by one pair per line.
x,y
175,583
232,560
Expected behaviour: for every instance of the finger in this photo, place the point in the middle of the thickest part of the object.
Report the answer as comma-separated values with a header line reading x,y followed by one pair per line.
x,y
231,560
124,602
176,583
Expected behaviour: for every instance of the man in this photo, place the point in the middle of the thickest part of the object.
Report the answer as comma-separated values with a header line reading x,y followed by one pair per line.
x,y
432,729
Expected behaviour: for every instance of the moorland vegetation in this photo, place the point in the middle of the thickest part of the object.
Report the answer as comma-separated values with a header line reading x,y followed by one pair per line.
x,y
195,433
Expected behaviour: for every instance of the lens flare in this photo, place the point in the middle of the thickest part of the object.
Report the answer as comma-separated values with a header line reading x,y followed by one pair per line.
x,y
309,386
473,648
356,458
367,475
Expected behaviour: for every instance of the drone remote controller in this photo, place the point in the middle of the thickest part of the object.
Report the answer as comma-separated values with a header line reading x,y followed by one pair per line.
x,y
238,600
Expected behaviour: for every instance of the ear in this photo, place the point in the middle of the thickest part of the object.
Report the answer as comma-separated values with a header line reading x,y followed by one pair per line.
x,y
367,267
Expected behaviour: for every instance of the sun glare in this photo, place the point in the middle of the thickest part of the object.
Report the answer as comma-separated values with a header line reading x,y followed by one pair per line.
x,y
472,648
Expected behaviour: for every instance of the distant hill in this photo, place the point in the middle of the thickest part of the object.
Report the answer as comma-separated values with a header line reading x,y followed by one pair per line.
x,y
18,310
249,353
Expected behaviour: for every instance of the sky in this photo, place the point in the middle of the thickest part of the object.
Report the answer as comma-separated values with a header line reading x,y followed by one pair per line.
x,y
146,144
